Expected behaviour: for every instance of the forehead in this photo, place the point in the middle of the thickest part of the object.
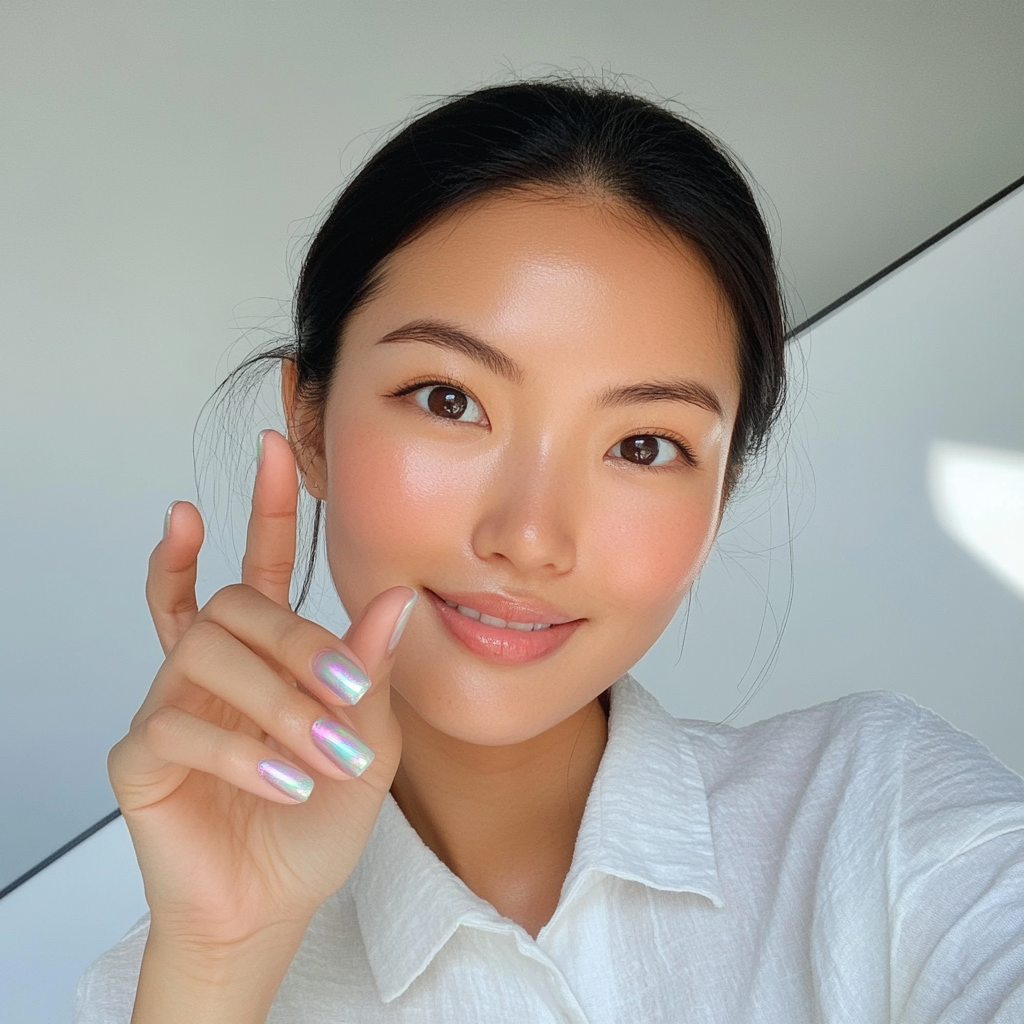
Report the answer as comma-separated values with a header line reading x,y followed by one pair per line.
x,y
553,279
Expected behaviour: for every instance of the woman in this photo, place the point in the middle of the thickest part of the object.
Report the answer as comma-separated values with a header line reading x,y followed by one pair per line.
x,y
537,339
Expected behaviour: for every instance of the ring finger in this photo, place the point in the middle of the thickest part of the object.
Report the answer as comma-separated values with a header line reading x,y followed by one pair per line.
x,y
215,661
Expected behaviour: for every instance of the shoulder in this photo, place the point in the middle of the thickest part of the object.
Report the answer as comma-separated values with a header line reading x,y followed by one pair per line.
x,y
875,756
876,753
106,991
870,729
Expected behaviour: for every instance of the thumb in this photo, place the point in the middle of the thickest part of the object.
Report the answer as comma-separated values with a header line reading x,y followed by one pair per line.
x,y
372,639
171,580
374,636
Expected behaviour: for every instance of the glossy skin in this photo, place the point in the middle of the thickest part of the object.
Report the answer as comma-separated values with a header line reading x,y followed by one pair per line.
x,y
530,506
513,495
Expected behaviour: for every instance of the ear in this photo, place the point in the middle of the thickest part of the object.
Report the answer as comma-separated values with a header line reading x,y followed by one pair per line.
x,y
733,472
303,434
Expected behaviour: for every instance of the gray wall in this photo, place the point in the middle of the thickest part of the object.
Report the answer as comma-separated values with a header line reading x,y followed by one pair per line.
x,y
882,597
159,169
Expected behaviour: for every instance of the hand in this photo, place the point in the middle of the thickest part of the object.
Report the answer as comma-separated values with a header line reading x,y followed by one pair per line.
x,y
225,855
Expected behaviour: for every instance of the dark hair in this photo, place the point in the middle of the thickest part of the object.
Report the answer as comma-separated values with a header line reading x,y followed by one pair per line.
x,y
570,135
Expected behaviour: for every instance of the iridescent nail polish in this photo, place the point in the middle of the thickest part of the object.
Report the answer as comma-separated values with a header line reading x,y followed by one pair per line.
x,y
286,779
167,518
342,676
345,749
259,449
396,633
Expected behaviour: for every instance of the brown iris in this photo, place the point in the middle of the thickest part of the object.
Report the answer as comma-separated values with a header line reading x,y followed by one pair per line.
x,y
447,402
642,449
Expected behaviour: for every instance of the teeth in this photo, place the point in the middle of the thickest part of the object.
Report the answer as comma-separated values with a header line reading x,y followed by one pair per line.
x,y
492,620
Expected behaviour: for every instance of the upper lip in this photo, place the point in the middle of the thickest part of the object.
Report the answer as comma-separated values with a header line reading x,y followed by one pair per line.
x,y
503,606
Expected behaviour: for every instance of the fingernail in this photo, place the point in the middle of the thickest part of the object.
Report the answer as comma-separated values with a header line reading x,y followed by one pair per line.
x,y
167,518
342,676
259,449
396,633
345,749
286,779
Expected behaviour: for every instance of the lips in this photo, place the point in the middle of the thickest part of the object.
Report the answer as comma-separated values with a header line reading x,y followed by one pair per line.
x,y
501,629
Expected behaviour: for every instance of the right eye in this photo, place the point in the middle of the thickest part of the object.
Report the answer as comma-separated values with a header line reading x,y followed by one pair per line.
x,y
449,403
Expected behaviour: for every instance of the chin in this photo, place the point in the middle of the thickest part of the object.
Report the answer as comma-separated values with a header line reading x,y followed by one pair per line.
x,y
489,704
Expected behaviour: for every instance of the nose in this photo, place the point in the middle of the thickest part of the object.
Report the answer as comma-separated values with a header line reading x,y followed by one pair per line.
x,y
529,511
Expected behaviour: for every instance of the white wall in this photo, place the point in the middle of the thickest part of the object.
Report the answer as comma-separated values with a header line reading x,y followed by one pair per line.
x,y
55,924
159,160
883,597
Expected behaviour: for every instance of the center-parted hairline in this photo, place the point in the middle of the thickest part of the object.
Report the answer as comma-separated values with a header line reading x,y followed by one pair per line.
x,y
445,335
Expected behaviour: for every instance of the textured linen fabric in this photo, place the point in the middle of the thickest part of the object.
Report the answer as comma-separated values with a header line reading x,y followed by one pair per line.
x,y
859,861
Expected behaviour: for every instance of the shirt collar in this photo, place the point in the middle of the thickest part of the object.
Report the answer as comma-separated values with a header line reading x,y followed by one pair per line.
x,y
409,904
647,817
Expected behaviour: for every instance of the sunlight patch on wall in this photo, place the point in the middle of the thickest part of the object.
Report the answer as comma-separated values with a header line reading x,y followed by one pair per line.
x,y
978,497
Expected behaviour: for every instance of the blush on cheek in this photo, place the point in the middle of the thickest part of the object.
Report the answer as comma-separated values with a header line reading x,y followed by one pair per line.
x,y
396,505
653,554
367,499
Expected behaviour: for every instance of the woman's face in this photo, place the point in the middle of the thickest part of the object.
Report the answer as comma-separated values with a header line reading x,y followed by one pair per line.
x,y
530,419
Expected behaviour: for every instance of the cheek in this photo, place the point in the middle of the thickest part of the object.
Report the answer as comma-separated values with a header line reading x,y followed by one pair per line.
x,y
391,507
651,549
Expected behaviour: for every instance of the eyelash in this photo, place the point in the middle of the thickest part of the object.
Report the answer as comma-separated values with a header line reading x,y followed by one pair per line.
x,y
684,449
439,382
453,382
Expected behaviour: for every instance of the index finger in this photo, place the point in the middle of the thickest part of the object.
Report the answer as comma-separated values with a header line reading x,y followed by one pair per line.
x,y
270,538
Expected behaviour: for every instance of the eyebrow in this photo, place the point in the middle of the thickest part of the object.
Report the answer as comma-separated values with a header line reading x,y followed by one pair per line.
x,y
678,389
435,332
445,335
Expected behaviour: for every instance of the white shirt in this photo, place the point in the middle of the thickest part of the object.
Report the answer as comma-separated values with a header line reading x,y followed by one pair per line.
x,y
859,861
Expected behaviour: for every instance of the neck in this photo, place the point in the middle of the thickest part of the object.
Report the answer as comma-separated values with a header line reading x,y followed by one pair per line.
x,y
504,819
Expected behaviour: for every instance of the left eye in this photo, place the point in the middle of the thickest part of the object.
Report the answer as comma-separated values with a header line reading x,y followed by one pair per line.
x,y
646,450
448,403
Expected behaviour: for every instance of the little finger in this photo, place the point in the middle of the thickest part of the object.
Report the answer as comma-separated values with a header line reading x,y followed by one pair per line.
x,y
243,761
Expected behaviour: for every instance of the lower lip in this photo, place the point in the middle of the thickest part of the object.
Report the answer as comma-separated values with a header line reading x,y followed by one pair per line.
x,y
498,644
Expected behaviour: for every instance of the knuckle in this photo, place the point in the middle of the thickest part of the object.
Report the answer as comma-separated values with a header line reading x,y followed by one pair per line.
x,y
228,600
114,757
198,643
278,574
161,729
292,712
302,639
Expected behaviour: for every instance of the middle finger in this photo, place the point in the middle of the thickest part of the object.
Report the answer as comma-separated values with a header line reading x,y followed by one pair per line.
x,y
320,661
211,658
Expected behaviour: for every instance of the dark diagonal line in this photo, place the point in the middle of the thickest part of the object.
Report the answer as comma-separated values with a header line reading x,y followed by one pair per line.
x,y
57,854
906,258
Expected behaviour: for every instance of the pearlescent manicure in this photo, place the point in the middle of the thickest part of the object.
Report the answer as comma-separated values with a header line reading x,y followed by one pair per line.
x,y
167,518
396,633
286,779
342,676
259,449
345,749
